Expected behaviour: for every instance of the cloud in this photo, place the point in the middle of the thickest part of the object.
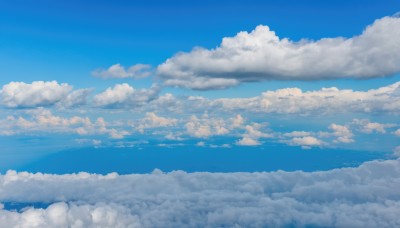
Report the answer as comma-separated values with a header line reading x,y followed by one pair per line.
x,y
342,133
252,135
205,126
262,55
38,93
368,127
397,132
75,98
366,196
318,102
151,120
117,71
43,120
306,141
125,96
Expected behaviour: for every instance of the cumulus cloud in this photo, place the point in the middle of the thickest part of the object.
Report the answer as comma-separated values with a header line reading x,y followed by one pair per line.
x,y
151,120
342,133
117,71
319,102
252,135
38,93
125,96
262,55
366,196
306,142
43,120
368,127
205,126
75,98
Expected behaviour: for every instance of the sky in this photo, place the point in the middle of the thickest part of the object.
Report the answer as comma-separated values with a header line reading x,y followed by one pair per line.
x,y
183,92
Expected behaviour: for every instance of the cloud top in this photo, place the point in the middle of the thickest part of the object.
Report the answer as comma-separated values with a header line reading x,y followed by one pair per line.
x,y
179,199
261,55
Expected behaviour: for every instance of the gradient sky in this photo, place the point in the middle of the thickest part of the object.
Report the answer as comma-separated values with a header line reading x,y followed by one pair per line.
x,y
44,44
199,113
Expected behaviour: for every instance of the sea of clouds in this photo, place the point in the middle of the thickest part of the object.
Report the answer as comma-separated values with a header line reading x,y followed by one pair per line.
x,y
366,196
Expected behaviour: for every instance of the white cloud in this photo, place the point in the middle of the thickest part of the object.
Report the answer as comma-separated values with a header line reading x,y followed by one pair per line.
x,y
205,126
125,96
397,132
342,133
117,71
43,120
262,55
151,120
366,196
368,127
75,98
38,93
252,135
319,102
247,141
306,141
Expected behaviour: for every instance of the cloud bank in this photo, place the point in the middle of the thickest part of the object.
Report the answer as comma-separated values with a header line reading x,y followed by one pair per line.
x,y
262,55
366,196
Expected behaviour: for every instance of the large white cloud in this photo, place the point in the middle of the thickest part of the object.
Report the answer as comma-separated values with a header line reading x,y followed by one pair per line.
x,y
262,55
366,196
38,93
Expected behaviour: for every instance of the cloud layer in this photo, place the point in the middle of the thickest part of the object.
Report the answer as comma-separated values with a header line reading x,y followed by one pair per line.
x,y
366,196
262,55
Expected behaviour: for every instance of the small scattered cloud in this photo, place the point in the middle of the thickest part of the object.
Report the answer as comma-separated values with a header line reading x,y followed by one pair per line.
x,y
118,71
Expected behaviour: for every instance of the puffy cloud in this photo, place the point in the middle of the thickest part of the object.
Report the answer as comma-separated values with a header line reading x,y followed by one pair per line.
x,y
151,120
118,71
75,98
366,196
38,93
252,135
237,121
342,133
125,96
262,55
247,141
397,132
320,102
370,127
306,141
70,215
205,127
43,120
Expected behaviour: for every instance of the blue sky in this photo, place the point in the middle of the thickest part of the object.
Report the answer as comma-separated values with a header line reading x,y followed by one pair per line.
x,y
44,44
199,113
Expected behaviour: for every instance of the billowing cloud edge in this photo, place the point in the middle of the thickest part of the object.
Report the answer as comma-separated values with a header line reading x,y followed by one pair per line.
x,y
365,196
261,55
